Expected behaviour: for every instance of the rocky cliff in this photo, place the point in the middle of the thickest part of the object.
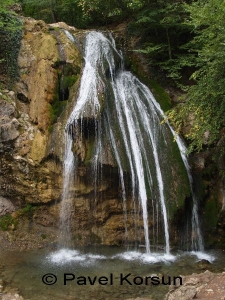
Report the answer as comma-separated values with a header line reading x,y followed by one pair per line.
x,y
31,180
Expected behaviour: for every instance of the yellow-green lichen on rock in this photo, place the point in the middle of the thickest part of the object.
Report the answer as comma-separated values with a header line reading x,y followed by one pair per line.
x,y
37,53
39,145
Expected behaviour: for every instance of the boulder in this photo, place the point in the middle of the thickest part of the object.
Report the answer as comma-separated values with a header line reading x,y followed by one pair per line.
x,y
6,206
206,285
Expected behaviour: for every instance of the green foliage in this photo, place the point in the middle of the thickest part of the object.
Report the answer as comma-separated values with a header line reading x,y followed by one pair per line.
x,y
7,221
10,36
102,12
56,109
205,103
161,29
10,45
7,22
41,9
80,13
69,11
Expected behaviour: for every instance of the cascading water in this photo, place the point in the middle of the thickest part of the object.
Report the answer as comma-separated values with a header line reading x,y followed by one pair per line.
x,y
125,115
196,236
67,194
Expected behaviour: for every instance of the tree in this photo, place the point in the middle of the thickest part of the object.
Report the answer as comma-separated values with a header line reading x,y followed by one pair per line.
x,y
51,11
206,98
80,13
162,30
41,9
103,12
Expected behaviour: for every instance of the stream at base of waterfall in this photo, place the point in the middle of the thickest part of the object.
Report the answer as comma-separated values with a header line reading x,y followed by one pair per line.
x,y
34,272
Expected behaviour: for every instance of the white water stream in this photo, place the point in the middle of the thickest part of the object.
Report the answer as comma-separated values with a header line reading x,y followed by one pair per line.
x,y
197,240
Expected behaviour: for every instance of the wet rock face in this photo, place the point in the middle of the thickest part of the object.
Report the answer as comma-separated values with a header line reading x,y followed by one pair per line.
x,y
98,212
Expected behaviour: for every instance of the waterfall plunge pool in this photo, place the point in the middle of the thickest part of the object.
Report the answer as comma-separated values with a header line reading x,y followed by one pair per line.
x,y
25,271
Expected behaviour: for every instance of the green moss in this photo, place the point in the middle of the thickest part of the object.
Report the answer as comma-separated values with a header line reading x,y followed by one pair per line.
x,y
211,213
68,81
54,29
7,221
21,130
43,236
55,110
29,208
182,184
95,239
78,238
89,151
50,129
67,76
159,93
209,172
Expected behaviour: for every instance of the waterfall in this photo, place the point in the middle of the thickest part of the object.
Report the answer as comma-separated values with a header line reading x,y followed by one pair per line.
x,y
67,195
196,235
125,115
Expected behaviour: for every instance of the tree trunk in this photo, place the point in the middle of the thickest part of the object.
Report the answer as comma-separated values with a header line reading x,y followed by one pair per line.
x,y
54,18
169,45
